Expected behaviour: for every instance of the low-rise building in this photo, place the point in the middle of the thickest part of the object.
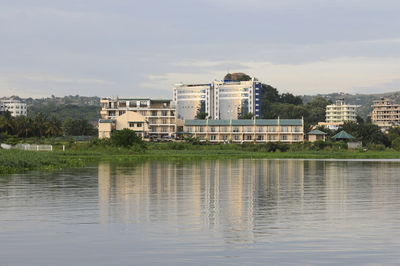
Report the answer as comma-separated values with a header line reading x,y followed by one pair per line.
x,y
246,130
316,135
341,112
385,114
160,114
130,120
15,107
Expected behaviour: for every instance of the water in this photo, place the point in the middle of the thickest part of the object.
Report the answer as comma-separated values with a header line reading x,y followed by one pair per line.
x,y
231,212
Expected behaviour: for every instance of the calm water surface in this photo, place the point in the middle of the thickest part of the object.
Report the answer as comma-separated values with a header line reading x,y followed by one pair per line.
x,y
230,212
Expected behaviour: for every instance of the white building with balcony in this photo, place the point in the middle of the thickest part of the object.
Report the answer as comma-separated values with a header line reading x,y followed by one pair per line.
x,y
15,107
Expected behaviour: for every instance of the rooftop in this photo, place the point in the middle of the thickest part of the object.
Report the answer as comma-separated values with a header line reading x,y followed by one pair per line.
x,y
245,122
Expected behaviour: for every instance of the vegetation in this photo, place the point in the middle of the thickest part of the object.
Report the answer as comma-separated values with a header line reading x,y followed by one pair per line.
x,y
127,138
41,125
12,161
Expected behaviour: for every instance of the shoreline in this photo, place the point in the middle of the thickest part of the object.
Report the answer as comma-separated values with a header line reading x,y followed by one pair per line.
x,y
16,161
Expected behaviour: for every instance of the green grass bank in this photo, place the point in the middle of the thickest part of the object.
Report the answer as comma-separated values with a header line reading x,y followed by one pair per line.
x,y
79,155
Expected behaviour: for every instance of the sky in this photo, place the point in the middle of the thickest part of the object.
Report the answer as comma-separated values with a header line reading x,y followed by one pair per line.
x,y
132,48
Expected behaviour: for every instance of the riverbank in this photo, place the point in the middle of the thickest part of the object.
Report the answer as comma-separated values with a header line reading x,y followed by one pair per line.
x,y
13,161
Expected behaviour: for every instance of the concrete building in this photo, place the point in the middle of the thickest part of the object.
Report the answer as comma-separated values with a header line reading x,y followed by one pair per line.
x,y
219,99
193,98
246,130
316,135
15,107
385,114
340,112
130,119
160,114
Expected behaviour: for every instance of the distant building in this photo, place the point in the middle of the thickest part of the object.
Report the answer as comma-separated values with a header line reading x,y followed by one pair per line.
x,y
385,114
15,107
246,130
131,120
160,114
316,135
219,99
341,112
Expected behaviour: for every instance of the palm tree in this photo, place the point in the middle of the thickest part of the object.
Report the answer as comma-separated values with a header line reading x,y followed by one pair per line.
x,y
53,127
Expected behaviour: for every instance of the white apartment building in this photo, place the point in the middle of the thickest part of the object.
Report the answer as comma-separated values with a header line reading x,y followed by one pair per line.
x,y
219,99
385,114
159,113
340,112
15,107
191,99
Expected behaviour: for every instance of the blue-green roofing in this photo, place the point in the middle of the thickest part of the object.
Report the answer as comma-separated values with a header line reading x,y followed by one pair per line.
x,y
245,122
106,120
343,135
316,132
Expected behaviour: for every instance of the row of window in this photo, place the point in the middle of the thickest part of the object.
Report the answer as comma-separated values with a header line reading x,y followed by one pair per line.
x,y
144,113
251,137
246,129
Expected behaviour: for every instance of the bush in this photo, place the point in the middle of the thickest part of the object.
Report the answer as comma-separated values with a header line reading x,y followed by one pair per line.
x,y
126,138
396,144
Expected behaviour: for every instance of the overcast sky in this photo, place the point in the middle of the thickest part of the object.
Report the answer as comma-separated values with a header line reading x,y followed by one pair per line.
x,y
142,48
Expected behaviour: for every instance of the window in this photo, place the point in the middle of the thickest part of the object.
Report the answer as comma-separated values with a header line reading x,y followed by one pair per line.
x,y
271,129
153,113
213,137
272,137
121,112
164,113
284,137
164,121
224,137
260,129
236,137
260,137
236,129
249,129
139,124
248,137
200,129
284,129
131,124
212,129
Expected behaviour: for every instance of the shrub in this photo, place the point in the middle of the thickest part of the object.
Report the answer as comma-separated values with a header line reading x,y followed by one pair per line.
x,y
126,138
396,144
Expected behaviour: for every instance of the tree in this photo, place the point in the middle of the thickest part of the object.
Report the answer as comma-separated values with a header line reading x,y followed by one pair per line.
x,y
78,127
53,127
125,138
246,116
237,76
396,144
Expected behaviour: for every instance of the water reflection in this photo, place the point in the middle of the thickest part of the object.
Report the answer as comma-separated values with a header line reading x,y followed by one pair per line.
x,y
243,199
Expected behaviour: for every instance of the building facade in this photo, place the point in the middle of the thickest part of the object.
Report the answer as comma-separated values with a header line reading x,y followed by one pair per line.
x,y
130,120
15,107
219,99
246,130
160,114
385,114
341,112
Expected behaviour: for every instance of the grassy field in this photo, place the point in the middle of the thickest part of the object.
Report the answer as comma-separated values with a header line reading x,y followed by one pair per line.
x,y
12,161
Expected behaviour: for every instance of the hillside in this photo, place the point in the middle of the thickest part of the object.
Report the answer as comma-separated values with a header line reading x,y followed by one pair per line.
x,y
75,107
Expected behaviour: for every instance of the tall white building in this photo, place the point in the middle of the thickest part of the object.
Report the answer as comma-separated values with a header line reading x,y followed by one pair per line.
x,y
341,112
219,99
15,107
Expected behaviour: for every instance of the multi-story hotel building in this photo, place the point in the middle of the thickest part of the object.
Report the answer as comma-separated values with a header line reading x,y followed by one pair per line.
x,y
219,99
160,114
340,112
191,99
385,114
15,107
246,130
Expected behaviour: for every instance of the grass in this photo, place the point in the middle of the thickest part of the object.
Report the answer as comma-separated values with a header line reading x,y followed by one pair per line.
x,y
79,155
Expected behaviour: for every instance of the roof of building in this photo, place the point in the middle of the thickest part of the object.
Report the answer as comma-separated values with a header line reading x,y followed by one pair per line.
x,y
106,120
343,135
245,122
316,132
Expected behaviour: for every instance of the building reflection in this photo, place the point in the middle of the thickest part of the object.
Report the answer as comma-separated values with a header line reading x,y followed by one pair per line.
x,y
237,197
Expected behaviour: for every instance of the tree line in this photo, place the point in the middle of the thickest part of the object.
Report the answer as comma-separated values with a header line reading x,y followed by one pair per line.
x,y
41,125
